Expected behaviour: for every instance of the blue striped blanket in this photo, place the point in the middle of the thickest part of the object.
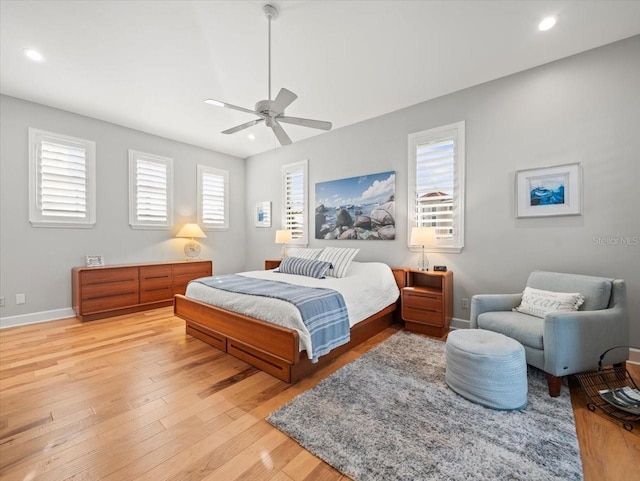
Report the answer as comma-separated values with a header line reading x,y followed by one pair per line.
x,y
323,311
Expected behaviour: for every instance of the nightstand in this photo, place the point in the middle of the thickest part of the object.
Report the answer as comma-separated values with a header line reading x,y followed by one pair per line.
x,y
271,264
427,302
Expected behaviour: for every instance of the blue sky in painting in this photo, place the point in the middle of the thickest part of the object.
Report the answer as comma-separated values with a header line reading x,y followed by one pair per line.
x,y
366,189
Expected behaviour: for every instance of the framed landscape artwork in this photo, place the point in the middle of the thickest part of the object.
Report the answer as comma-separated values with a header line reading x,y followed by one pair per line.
x,y
263,214
361,208
549,191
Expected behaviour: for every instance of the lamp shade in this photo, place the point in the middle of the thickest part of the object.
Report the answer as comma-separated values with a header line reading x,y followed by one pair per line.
x,y
283,236
423,236
191,230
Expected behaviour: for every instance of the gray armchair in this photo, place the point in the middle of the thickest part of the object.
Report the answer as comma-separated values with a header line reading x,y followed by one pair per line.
x,y
566,342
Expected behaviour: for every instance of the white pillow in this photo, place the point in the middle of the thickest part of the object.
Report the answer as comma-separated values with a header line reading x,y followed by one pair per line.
x,y
340,258
539,303
304,253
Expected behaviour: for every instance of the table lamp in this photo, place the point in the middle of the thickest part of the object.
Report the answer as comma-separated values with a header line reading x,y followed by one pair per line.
x,y
423,236
192,248
283,237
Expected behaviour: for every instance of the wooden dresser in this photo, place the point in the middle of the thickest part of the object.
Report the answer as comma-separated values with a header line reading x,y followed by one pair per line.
x,y
99,292
427,302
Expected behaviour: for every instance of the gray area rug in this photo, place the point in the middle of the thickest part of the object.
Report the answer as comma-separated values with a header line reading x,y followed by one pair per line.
x,y
390,416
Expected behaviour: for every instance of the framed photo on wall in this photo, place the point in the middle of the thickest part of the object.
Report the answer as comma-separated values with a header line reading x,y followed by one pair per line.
x,y
263,214
549,191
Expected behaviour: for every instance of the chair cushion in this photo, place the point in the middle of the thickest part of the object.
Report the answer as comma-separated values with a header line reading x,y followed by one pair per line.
x,y
596,290
525,329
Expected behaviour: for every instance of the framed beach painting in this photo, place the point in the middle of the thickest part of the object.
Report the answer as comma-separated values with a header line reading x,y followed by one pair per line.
x,y
357,208
549,191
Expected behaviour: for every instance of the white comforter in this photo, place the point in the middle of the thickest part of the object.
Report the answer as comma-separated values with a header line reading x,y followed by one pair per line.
x,y
367,288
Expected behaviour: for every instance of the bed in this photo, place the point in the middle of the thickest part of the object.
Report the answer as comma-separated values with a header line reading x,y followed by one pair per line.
x,y
269,334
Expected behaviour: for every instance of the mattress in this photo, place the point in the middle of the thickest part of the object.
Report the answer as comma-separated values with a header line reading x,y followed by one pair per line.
x,y
367,288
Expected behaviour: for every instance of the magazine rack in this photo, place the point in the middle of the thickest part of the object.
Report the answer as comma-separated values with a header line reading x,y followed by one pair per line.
x,y
616,377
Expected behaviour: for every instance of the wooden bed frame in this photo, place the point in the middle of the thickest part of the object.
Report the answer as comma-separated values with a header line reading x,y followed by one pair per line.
x,y
269,347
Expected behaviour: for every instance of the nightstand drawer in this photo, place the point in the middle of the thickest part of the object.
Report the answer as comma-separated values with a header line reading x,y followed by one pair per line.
x,y
421,299
423,315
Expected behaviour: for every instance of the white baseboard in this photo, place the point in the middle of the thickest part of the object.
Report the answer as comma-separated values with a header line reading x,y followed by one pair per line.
x,y
634,354
36,317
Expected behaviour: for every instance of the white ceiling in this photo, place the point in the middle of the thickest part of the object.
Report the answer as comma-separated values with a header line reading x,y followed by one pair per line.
x,y
149,64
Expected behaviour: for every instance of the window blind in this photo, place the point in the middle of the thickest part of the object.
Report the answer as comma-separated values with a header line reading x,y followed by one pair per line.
x,y
294,196
435,186
213,199
62,180
151,191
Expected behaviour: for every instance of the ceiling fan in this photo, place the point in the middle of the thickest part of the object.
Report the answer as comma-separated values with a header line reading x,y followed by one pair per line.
x,y
271,112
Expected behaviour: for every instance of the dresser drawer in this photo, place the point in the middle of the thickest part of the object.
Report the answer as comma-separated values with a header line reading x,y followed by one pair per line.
x,y
421,299
108,302
423,315
183,273
103,276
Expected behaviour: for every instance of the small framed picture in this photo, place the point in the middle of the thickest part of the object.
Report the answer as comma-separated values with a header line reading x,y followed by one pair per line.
x,y
94,261
549,191
263,214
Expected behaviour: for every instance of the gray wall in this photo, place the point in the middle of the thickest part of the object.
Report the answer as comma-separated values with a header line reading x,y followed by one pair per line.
x,y
585,108
38,261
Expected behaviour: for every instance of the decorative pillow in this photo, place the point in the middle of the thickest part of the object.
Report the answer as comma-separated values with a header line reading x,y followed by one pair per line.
x,y
305,253
340,258
539,303
304,267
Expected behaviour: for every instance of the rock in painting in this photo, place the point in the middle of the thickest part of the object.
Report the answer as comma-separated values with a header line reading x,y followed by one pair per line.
x,y
343,218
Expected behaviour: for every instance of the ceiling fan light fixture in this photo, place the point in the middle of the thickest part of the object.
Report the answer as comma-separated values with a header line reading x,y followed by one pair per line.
x,y
217,103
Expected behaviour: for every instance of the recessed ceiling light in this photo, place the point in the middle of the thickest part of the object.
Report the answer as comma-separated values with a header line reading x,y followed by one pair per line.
x,y
251,137
33,55
217,103
547,23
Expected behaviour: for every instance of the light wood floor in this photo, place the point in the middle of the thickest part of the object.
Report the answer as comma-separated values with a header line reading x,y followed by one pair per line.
x,y
133,397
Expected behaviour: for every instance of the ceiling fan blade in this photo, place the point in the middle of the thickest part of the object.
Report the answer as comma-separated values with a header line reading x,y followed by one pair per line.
x,y
217,103
314,124
282,101
238,128
282,136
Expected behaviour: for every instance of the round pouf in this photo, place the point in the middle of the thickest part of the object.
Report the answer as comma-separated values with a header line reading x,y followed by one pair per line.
x,y
487,368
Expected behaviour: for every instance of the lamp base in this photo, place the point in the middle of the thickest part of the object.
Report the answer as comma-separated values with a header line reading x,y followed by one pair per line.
x,y
192,251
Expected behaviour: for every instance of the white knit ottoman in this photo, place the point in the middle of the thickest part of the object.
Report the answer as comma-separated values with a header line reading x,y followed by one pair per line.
x,y
487,368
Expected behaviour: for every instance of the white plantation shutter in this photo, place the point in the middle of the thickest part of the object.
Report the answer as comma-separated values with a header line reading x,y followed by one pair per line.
x,y
436,184
213,199
62,181
294,178
150,180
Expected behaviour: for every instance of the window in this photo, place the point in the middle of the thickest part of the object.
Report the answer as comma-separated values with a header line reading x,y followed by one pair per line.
x,y
62,180
294,201
213,198
150,192
436,184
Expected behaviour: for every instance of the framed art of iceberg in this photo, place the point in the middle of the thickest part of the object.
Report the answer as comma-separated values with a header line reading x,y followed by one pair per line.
x,y
549,191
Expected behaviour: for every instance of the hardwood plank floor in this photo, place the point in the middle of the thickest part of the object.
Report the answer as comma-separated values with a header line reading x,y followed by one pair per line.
x,y
134,397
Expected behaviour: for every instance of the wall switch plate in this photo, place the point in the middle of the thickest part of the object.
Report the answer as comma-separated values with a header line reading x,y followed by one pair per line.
x,y
21,299
465,303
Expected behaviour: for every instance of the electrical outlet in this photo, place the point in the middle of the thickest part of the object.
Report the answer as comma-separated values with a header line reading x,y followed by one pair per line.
x,y
2,301
465,303
21,299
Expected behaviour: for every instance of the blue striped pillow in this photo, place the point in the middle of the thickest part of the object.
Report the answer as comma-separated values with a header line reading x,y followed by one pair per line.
x,y
304,267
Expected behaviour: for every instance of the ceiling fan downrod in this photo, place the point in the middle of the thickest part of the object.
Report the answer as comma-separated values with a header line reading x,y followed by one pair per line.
x,y
271,12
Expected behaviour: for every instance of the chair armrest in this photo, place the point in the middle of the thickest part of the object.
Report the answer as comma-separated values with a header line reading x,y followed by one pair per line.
x,y
491,302
574,341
